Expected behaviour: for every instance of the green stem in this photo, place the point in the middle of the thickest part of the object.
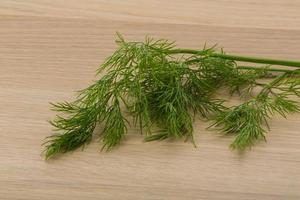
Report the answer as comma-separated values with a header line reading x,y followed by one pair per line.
x,y
237,57
268,69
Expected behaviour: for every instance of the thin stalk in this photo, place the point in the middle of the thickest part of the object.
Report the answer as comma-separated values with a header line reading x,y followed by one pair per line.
x,y
268,69
238,57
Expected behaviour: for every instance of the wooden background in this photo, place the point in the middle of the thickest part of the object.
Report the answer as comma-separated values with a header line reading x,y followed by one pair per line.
x,y
48,49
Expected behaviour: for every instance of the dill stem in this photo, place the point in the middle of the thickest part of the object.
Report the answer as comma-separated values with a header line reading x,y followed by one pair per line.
x,y
238,57
268,69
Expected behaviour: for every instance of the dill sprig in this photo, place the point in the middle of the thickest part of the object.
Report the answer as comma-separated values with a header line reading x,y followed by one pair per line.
x,y
249,120
163,93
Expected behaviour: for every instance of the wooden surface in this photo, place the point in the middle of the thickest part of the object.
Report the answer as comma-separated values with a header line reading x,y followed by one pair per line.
x,y
48,49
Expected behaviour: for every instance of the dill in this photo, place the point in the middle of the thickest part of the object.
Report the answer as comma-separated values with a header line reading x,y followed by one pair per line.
x,y
163,89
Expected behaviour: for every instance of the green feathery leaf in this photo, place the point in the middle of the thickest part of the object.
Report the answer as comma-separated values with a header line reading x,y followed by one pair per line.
x,y
162,86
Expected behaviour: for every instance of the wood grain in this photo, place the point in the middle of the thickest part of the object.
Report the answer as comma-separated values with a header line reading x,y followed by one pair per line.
x,y
48,49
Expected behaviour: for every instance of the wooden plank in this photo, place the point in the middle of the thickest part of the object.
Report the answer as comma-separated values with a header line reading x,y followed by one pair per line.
x,y
48,49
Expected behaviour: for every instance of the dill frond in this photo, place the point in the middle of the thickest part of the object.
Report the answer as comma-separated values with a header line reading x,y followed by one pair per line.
x,y
158,88
249,121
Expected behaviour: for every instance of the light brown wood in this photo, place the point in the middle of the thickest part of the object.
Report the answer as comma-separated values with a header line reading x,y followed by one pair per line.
x,y
48,49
